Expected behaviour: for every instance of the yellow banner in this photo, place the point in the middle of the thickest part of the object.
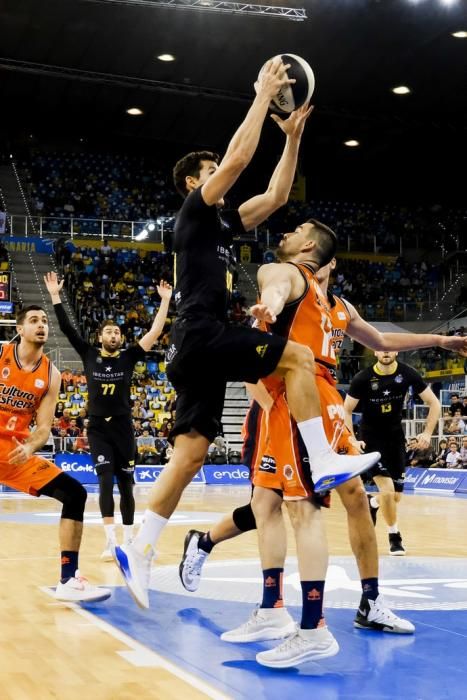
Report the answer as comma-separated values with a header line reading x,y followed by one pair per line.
x,y
443,372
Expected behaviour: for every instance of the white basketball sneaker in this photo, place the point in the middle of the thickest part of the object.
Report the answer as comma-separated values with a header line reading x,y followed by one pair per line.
x,y
329,470
192,561
374,615
303,646
262,625
107,553
78,590
136,571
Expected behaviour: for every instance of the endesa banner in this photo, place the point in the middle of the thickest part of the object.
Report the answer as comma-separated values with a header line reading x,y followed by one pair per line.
x,y
79,465
236,474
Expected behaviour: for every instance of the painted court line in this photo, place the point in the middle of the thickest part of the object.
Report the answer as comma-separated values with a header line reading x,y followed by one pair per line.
x,y
141,655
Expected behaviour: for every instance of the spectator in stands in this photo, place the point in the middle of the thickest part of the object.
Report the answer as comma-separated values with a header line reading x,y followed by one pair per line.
x,y
456,425
440,460
464,406
463,453
73,430
60,407
411,450
81,442
455,404
145,444
453,458
422,457
67,380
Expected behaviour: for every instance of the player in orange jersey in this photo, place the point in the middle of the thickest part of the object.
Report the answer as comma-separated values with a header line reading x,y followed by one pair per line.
x,y
29,385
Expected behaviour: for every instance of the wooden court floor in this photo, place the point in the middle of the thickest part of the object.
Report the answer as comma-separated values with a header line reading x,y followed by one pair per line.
x,y
49,651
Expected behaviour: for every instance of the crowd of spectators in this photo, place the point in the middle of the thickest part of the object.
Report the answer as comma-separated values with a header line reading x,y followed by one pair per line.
x,y
101,186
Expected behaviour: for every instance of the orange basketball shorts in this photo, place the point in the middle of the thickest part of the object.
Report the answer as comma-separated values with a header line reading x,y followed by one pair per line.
x,y
29,477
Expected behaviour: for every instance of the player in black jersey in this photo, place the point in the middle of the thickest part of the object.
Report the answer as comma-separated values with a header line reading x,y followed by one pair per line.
x,y
205,351
379,393
109,371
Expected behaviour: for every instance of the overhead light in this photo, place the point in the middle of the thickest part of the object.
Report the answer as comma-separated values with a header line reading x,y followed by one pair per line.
x,y
151,226
401,90
448,2
459,35
352,143
141,235
166,57
134,111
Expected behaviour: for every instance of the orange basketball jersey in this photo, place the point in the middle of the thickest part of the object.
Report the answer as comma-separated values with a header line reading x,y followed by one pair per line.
x,y
340,319
21,391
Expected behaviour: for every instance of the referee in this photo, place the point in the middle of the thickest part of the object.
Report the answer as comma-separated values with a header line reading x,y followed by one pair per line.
x,y
379,392
109,371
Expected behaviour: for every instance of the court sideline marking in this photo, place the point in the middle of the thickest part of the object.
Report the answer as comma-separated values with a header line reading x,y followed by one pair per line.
x,y
141,655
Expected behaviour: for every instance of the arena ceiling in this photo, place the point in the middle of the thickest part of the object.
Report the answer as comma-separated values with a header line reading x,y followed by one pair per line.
x,y
72,68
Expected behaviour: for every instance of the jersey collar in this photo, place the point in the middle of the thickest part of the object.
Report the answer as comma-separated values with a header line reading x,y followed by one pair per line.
x,y
384,374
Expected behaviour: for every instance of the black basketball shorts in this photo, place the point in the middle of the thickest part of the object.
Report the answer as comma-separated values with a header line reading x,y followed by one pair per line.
x,y
202,357
112,444
392,462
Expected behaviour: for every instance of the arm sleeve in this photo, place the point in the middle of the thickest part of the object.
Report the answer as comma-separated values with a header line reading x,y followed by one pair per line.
x,y
73,336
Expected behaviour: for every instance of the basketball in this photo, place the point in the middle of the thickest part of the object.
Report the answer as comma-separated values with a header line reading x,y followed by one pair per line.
x,y
293,96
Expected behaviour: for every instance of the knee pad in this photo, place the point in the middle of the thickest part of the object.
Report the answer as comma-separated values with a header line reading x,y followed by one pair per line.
x,y
69,492
244,519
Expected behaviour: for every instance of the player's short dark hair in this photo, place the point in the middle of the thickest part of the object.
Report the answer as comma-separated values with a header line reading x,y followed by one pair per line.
x,y
107,322
22,313
190,165
326,242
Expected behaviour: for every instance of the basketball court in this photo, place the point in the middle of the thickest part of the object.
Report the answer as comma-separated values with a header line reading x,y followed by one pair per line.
x,y
113,650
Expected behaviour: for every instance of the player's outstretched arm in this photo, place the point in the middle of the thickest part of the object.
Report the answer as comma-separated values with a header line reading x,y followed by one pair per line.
x,y
257,209
165,292
275,282
244,142
54,287
44,417
365,334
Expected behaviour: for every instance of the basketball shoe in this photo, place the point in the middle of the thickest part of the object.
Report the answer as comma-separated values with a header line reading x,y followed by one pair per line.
x,y
329,470
262,625
374,615
303,646
78,590
192,561
135,568
396,548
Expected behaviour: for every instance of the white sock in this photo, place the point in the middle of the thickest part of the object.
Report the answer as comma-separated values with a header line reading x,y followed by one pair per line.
x,y
393,529
374,502
127,533
313,435
149,532
110,533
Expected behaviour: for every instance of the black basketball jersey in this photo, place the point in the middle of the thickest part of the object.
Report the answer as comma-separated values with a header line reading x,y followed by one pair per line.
x,y
204,258
381,396
108,376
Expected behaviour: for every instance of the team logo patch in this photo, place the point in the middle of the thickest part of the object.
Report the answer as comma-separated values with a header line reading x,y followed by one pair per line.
x,y
99,360
288,472
5,372
268,464
261,350
170,354
341,316
100,458
39,384
374,386
399,379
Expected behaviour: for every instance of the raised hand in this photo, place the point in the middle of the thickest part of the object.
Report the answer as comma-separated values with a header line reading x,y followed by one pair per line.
x,y
54,287
272,77
164,289
294,125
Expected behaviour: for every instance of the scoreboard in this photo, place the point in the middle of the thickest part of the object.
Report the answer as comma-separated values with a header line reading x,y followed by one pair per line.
x,y
5,286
